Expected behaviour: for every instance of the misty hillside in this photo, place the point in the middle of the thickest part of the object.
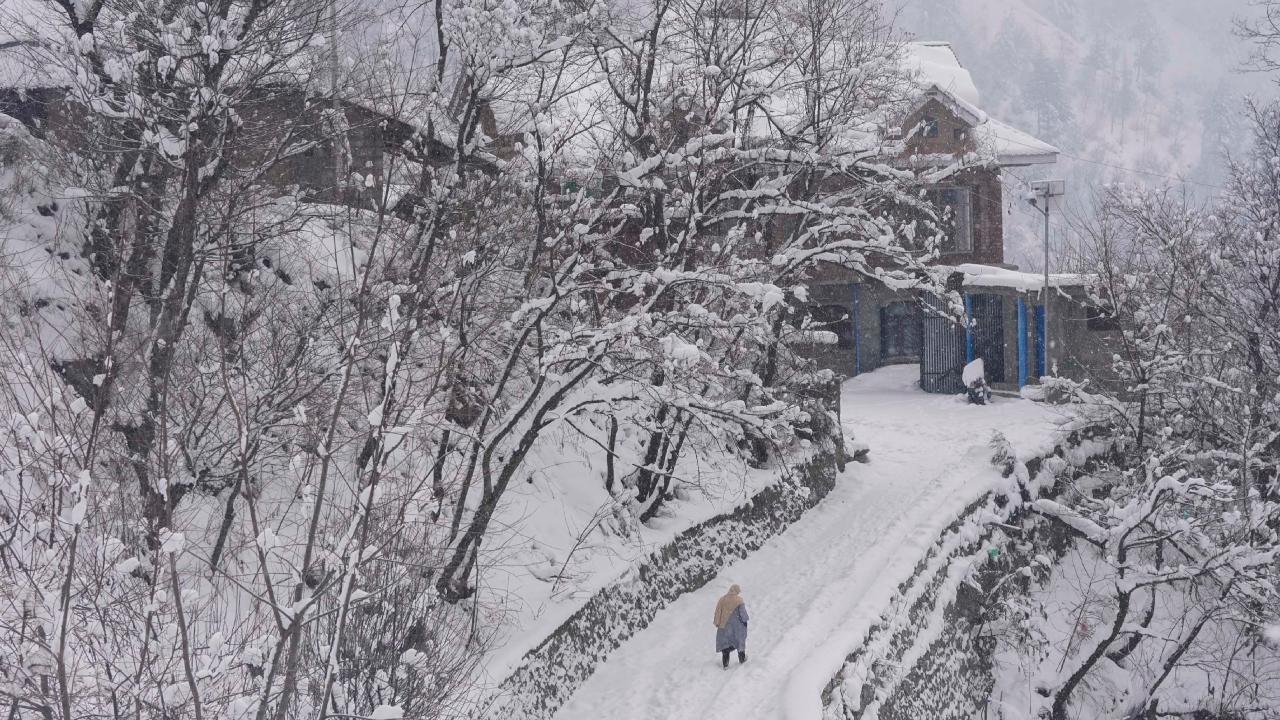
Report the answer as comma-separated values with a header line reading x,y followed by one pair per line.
x,y
1136,91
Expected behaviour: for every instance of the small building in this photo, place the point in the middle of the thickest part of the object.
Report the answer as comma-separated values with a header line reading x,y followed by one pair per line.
x,y
874,325
285,140
1008,330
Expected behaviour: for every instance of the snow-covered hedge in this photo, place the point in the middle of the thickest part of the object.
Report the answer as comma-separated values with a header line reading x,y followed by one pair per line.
x,y
927,656
552,671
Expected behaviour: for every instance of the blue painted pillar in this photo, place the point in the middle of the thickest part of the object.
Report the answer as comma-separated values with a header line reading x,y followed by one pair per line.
x,y
1040,335
968,328
1023,365
857,329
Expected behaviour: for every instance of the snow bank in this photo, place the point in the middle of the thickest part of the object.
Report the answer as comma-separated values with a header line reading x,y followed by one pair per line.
x,y
994,277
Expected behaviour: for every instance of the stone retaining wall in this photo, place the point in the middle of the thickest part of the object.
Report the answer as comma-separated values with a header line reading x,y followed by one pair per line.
x,y
927,657
551,672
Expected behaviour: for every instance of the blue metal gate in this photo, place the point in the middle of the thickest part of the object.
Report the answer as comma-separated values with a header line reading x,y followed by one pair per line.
x,y
1040,353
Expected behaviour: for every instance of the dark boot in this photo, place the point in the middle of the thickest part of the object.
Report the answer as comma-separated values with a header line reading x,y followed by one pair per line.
x,y
742,657
724,658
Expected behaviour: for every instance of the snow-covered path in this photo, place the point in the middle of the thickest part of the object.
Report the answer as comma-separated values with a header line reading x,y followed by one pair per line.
x,y
813,591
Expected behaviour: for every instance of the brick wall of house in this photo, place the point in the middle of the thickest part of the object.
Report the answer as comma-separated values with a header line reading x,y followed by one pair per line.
x,y
279,120
278,124
988,218
954,136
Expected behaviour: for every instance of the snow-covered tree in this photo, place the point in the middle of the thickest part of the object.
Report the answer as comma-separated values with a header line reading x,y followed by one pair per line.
x,y
261,437
1175,535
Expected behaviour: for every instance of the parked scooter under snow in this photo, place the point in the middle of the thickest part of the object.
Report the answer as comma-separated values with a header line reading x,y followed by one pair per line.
x,y
975,383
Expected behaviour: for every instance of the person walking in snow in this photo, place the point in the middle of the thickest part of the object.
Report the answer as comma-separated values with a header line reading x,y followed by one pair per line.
x,y
731,626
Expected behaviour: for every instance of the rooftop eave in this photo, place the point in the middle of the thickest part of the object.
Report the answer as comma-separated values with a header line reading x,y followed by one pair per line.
x,y
1025,160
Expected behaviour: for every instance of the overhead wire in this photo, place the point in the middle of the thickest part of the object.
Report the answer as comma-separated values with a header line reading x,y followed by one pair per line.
x,y
1122,168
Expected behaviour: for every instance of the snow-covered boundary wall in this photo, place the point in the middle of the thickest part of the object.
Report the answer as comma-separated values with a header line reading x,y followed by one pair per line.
x,y
925,657
551,672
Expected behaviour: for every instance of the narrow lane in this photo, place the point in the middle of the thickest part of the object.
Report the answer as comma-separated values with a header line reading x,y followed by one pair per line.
x,y
814,590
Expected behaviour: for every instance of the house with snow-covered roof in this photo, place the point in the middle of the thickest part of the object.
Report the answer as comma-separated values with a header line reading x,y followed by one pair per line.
x,y
286,138
944,126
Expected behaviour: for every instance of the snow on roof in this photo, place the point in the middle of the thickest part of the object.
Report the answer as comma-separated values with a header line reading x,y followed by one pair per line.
x,y
988,276
1015,147
934,64
963,110
936,69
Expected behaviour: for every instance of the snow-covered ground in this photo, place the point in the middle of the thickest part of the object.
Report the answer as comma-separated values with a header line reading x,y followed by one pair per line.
x,y
562,537
813,591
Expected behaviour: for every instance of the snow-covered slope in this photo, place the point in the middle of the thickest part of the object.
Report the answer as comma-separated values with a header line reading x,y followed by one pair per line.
x,y
813,591
563,537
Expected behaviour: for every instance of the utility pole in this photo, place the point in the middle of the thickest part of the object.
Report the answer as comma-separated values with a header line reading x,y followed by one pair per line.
x,y
1042,194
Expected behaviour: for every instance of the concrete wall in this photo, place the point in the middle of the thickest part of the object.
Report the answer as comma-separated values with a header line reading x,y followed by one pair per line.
x,y
865,356
988,218
1081,352
1077,352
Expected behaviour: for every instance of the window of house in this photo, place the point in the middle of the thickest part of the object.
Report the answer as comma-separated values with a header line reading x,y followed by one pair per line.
x,y
835,319
929,127
959,134
900,331
954,206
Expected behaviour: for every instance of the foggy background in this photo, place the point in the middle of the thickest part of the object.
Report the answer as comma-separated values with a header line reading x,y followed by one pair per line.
x,y
1133,91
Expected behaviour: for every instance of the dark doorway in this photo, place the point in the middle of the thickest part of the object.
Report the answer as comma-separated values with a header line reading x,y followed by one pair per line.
x,y
836,319
900,332
987,313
